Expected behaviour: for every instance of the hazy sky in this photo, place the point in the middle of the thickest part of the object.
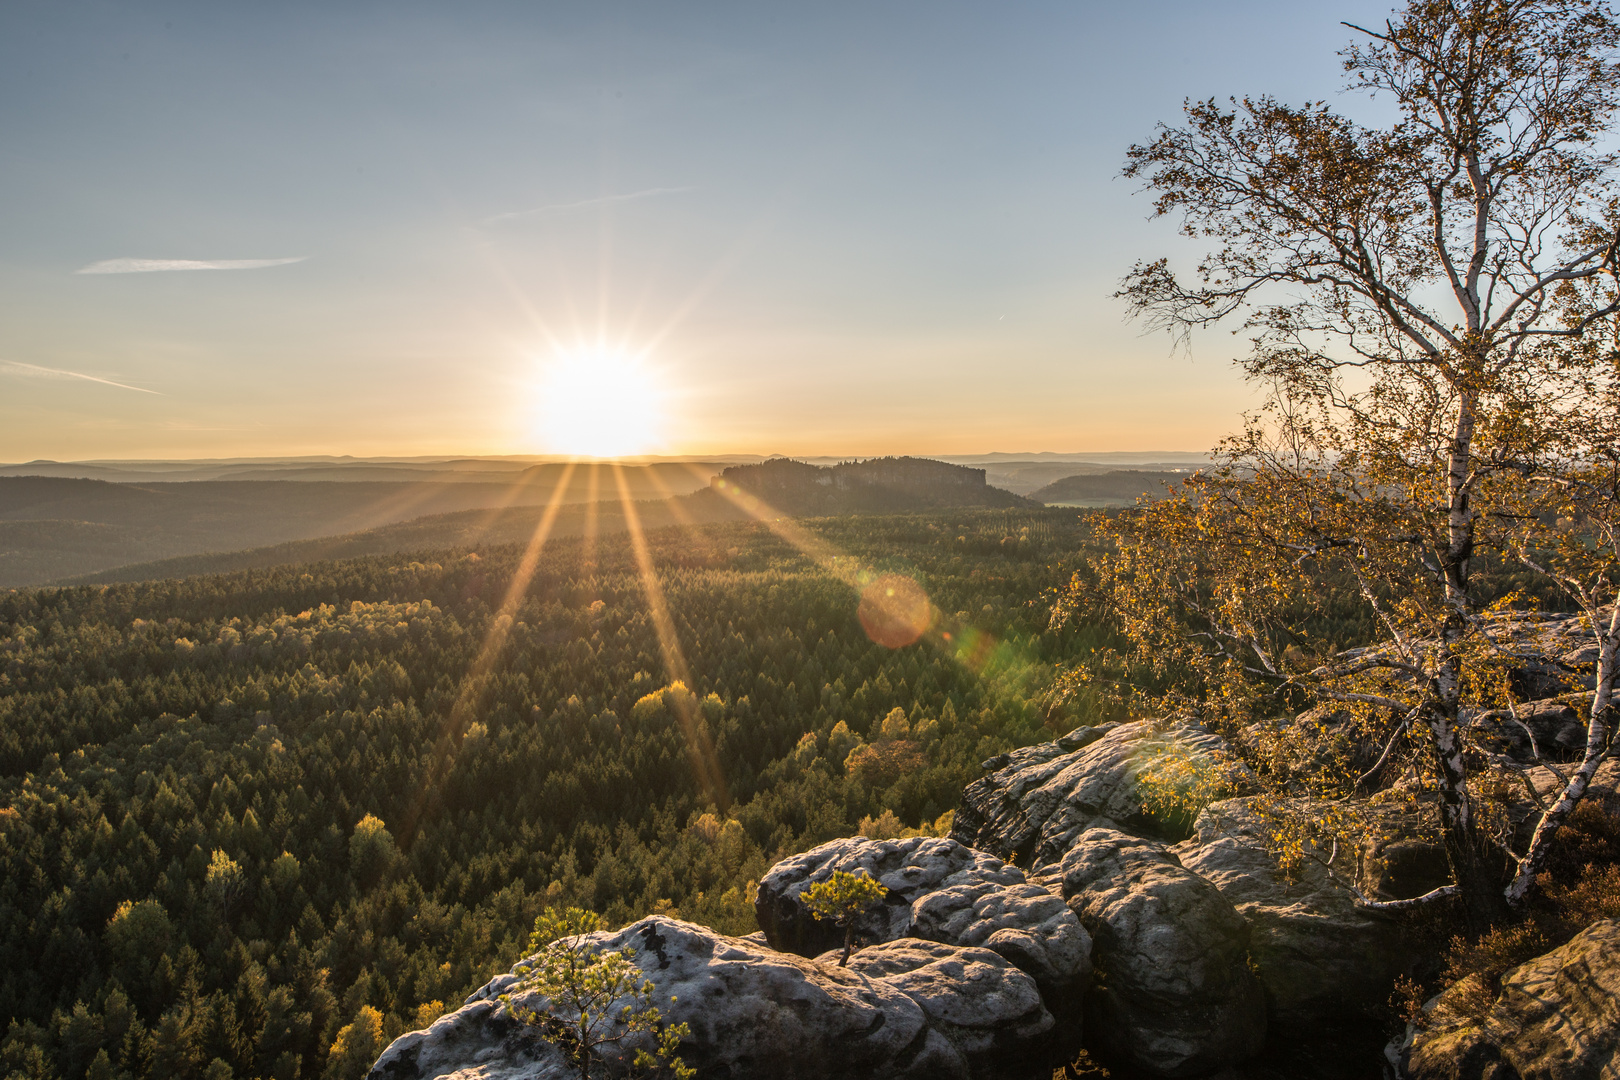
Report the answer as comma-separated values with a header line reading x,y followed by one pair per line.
x,y
827,228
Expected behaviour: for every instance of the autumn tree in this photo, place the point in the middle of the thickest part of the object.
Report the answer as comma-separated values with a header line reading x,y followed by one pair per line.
x,y
1429,305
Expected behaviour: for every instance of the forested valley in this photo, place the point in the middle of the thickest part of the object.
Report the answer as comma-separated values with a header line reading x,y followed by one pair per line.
x,y
255,825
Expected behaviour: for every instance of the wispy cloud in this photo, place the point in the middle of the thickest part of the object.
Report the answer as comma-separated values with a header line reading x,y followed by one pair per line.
x,y
153,266
601,200
34,371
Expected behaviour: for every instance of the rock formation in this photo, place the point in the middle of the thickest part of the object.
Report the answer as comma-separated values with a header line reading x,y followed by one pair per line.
x,y
908,1010
1320,957
939,890
1036,800
1555,1018
1175,996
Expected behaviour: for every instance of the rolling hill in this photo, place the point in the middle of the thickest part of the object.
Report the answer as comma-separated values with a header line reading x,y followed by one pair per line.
x,y
1120,488
81,552
58,527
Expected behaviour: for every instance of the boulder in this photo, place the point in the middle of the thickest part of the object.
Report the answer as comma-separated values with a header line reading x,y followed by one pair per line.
x,y
1320,958
1025,923
990,1010
754,1015
1556,1018
479,1041
1174,996
939,890
909,868
1038,799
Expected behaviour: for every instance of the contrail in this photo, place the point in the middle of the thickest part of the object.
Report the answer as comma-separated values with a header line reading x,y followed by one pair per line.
x,y
581,204
150,266
34,371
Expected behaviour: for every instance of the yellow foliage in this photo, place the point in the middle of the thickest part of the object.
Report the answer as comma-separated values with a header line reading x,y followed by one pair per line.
x,y
357,1045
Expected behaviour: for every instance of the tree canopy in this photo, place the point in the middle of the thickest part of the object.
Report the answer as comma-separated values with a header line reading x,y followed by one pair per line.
x,y
1431,309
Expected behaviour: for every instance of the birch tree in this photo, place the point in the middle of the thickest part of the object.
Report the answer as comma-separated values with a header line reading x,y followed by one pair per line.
x,y
1425,303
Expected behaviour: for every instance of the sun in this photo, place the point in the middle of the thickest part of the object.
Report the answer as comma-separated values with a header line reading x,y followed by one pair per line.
x,y
600,402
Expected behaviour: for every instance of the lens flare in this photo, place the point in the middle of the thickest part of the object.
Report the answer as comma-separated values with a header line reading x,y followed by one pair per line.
x,y
894,611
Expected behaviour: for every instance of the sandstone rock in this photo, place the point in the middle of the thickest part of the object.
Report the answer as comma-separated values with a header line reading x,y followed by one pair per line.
x,y
754,1015
1174,996
1399,866
990,1010
1556,1018
479,1041
909,868
1038,799
939,890
1320,958
1025,923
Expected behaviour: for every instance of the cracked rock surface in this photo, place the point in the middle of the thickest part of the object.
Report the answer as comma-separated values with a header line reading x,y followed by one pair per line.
x,y
1557,1017
906,1013
1175,997
939,890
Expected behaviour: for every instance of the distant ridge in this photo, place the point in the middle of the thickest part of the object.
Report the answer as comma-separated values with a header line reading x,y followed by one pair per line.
x,y
1119,488
876,485
884,485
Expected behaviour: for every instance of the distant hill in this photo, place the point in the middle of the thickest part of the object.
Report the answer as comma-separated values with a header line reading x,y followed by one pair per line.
x,y
1027,477
343,470
53,527
1120,488
874,486
437,532
883,485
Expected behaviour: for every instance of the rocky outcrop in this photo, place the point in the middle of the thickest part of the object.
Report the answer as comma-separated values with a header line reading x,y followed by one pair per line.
x,y
1174,996
939,890
754,1015
1319,956
908,868
1556,1018
990,1010
479,1041
1038,799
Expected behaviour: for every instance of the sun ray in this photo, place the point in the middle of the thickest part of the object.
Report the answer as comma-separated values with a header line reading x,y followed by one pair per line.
x,y
500,627
490,515
587,542
699,746
695,535
975,648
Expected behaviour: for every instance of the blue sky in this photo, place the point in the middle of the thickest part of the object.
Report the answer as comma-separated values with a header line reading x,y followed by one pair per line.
x,y
822,228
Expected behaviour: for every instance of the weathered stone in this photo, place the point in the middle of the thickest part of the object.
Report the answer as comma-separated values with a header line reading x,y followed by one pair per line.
x,y
1026,924
909,868
753,1014
1174,996
1038,799
939,890
1320,957
479,1041
990,1010
1556,1018
1399,867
